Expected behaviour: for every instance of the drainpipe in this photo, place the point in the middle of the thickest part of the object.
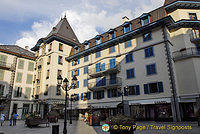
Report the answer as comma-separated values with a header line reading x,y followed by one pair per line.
x,y
174,99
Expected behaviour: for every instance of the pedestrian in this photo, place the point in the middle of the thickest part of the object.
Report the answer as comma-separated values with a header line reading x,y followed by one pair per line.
x,y
11,119
2,118
15,119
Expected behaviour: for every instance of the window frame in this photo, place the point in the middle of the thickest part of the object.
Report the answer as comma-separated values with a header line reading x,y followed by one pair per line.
x,y
130,76
151,69
147,39
61,47
98,54
60,60
111,49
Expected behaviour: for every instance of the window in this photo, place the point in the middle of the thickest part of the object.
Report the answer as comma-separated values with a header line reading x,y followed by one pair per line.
x,y
27,93
98,41
149,52
130,73
59,72
47,74
127,28
112,93
3,60
49,60
60,47
86,96
98,94
77,72
112,63
43,51
60,60
127,44
1,74
86,70
193,16
147,37
76,49
112,35
29,79
111,49
18,92
100,81
85,82
50,47
58,90
129,58
87,46
151,69
76,85
134,90
156,87
98,54
19,77
100,67
30,66
145,20
21,64
86,58
46,90
2,89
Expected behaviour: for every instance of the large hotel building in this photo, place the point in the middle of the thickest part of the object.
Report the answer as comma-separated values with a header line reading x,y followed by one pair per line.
x,y
152,60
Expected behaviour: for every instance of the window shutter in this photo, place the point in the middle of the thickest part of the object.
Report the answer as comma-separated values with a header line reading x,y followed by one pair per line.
x,y
77,84
15,92
81,96
151,51
77,97
160,87
94,95
72,73
89,95
125,44
78,72
146,89
108,93
137,90
125,92
102,94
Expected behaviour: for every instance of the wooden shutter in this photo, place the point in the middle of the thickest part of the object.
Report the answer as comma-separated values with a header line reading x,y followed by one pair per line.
x,y
81,96
160,87
137,89
146,89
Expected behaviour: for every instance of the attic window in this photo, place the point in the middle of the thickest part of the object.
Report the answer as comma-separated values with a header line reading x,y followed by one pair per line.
x,y
98,39
86,44
54,28
145,19
127,27
76,50
111,33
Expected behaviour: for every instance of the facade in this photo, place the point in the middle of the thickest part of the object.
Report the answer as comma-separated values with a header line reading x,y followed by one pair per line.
x,y
155,56
17,69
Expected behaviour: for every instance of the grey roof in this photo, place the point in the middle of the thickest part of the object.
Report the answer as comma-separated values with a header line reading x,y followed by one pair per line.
x,y
64,30
14,49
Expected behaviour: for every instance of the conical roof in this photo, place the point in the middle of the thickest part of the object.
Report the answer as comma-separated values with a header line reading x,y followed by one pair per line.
x,y
64,30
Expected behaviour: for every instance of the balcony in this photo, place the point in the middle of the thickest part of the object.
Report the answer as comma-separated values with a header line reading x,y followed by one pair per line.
x,y
102,71
104,84
186,53
6,66
195,36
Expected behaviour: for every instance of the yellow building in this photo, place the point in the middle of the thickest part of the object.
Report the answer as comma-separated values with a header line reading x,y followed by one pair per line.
x,y
154,56
16,74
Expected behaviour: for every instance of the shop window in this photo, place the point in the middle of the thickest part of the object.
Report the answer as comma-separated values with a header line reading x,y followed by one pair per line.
x,y
129,58
151,69
127,44
149,52
60,47
147,37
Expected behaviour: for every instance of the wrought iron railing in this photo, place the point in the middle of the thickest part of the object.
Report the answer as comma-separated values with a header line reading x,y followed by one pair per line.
x,y
186,53
105,83
108,67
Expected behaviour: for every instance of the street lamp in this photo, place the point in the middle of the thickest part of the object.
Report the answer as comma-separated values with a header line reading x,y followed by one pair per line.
x,y
66,88
126,89
72,99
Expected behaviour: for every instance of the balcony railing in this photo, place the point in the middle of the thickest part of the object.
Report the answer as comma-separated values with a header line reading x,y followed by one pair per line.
x,y
186,53
195,36
5,65
108,68
105,83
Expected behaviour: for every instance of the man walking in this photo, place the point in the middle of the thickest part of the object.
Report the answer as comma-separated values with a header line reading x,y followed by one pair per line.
x,y
2,118
15,119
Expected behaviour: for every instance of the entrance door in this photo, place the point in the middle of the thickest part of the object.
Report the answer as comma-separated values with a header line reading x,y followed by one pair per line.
x,y
14,108
25,110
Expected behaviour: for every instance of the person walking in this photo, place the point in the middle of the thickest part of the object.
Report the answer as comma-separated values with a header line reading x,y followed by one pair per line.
x,y
11,118
15,119
2,119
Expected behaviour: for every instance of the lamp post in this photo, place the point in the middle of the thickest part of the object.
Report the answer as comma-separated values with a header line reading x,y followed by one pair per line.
x,y
126,88
72,99
66,88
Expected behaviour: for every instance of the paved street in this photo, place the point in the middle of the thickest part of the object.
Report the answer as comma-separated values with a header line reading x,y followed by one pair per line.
x,y
80,127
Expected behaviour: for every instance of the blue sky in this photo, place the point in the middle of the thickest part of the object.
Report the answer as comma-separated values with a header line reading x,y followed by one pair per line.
x,y
23,22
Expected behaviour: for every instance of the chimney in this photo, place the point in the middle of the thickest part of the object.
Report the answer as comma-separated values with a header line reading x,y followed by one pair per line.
x,y
125,19
26,47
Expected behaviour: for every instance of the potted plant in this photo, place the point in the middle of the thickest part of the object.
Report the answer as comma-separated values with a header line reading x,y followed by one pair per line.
x,y
121,124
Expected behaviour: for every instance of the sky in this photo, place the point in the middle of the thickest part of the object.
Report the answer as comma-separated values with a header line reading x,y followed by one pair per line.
x,y
23,22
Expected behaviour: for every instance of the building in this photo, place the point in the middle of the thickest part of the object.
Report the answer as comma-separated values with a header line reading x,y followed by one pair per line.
x,y
16,74
156,55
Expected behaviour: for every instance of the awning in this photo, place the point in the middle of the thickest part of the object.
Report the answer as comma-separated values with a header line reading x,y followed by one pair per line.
x,y
150,101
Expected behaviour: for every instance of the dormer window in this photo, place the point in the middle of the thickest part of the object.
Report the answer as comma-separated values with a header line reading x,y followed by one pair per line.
x,y
145,19
127,27
98,39
86,44
111,33
76,50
